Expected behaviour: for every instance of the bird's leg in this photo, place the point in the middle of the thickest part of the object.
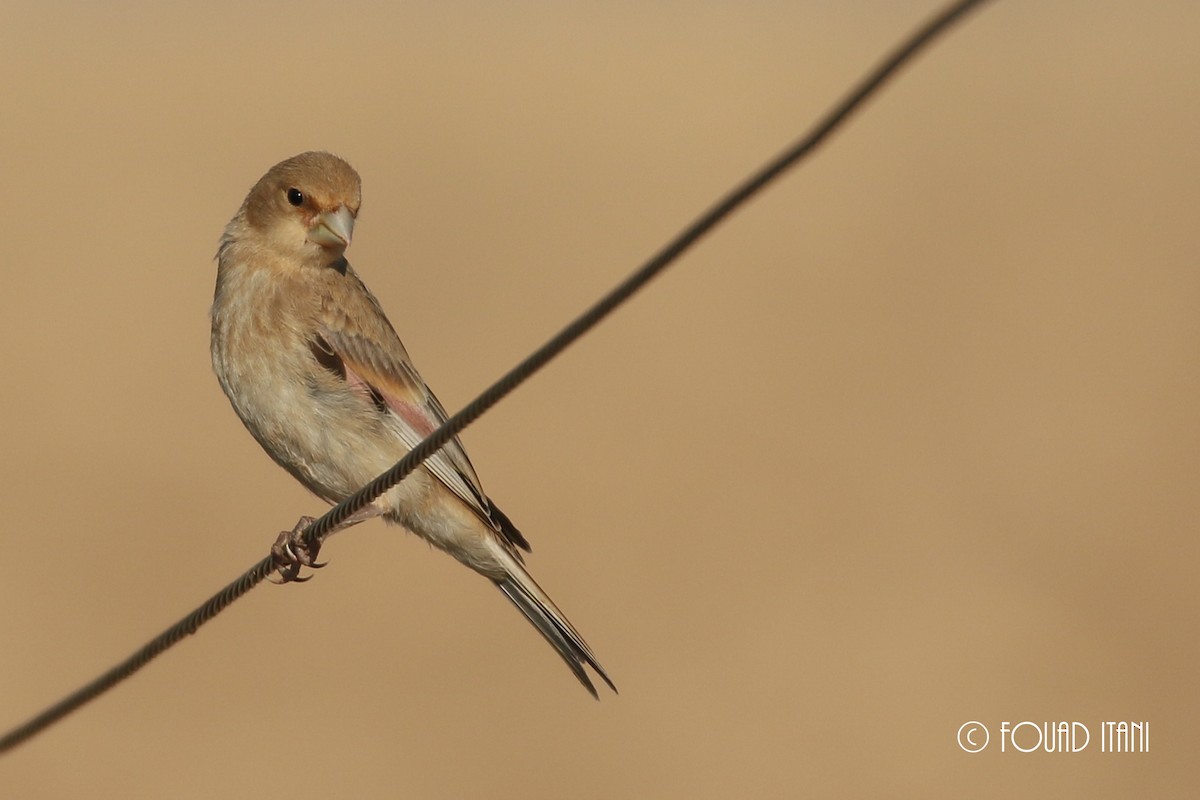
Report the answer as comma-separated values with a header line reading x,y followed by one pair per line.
x,y
291,550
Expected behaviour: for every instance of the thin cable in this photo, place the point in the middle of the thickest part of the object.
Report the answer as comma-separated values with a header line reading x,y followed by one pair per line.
x,y
651,269
497,391
185,627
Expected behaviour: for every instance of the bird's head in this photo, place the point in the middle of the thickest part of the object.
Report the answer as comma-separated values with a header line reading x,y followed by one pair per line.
x,y
305,207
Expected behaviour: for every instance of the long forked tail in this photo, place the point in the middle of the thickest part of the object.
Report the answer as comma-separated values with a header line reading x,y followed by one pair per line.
x,y
538,608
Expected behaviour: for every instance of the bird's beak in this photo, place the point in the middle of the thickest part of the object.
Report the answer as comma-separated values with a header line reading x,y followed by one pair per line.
x,y
333,228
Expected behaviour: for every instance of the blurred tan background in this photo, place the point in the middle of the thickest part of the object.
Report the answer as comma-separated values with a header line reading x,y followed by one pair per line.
x,y
911,441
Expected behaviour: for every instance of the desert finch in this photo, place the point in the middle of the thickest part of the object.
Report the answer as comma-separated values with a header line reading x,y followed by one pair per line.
x,y
319,377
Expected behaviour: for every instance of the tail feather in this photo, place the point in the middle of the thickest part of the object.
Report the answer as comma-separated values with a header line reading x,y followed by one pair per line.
x,y
539,609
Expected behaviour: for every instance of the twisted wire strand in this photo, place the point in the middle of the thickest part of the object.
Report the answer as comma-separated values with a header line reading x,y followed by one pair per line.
x,y
185,627
328,522
651,269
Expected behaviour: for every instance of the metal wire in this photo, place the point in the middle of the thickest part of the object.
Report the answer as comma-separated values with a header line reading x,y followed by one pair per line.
x,y
651,269
185,627
316,532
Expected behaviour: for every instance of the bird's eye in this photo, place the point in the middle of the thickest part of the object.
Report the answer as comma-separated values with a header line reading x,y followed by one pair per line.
x,y
295,197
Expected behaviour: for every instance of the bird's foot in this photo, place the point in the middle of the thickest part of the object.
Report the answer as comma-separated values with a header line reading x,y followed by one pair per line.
x,y
291,552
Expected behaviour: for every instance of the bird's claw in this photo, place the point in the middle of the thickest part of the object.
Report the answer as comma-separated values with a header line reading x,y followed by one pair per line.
x,y
291,552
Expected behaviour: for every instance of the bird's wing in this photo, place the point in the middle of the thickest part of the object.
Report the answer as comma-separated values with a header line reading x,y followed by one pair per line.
x,y
371,358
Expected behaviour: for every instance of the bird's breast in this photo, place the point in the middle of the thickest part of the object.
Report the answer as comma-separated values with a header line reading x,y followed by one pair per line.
x,y
265,347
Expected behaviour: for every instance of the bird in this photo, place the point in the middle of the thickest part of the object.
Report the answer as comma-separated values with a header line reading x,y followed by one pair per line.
x,y
317,374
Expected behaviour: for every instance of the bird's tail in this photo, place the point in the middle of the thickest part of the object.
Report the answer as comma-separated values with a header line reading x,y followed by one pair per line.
x,y
539,609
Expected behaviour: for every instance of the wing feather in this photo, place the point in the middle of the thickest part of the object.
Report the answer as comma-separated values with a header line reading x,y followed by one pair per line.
x,y
376,363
